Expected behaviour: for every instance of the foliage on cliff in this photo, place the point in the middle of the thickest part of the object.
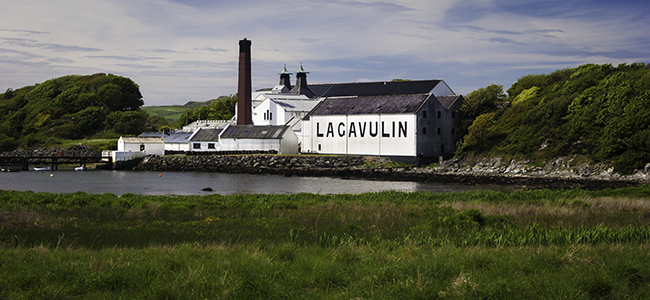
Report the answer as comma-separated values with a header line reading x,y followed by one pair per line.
x,y
70,107
599,112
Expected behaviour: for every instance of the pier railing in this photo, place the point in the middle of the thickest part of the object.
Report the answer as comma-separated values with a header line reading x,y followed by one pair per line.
x,y
23,159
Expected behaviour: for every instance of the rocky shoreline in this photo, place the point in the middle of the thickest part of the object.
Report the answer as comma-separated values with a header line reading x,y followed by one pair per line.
x,y
562,173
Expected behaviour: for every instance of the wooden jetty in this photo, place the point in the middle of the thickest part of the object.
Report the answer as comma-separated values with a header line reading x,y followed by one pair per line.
x,y
23,159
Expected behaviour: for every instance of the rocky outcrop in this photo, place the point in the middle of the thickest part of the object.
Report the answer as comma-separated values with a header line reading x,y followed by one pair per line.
x,y
559,173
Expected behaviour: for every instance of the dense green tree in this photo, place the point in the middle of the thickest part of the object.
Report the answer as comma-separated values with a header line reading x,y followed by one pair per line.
x,y
127,122
221,109
478,102
68,107
598,111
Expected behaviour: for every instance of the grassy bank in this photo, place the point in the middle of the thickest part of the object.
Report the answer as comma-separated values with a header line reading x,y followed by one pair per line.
x,y
527,245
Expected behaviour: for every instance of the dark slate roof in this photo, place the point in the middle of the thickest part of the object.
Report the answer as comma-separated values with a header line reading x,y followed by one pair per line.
x,y
150,134
447,101
395,104
374,88
177,137
254,132
210,135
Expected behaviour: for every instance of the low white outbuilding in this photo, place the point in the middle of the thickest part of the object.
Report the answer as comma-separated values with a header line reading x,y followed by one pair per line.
x,y
146,145
205,140
259,138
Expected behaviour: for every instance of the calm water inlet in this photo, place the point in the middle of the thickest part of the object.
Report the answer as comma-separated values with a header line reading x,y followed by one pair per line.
x,y
192,183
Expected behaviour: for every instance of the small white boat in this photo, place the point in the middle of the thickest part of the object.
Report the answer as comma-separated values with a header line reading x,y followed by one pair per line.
x,y
80,168
46,168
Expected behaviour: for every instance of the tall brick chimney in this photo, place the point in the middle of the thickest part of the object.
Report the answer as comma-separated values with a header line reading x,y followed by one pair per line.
x,y
244,101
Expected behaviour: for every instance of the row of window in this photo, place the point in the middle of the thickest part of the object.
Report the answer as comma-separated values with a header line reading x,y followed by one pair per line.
x,y
198,146
268,115
424,131
453,114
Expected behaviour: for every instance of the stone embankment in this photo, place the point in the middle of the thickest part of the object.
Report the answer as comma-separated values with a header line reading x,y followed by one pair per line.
x,y
560,173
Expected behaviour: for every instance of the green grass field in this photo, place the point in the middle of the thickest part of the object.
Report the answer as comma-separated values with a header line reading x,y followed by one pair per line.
x,y
174,112
569,244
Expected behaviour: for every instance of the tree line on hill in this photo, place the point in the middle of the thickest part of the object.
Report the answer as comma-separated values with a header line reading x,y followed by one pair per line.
x,y
598,112
70,107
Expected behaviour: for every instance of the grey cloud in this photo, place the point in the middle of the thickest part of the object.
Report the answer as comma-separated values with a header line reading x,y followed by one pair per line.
x,y
504,41
617,54
159,50
458,28
126,58
59,60
67,48
26,55
307,40
29,43
24,31
199,63
136,66
22,63
212,49
385,6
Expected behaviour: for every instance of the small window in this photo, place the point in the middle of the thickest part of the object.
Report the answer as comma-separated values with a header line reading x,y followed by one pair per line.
x,y
210,145
442,149
439,130
424,130
453,114
453,131
439,114
196,146
424,114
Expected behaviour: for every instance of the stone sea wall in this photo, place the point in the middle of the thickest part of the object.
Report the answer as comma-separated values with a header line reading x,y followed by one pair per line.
x,y
559,173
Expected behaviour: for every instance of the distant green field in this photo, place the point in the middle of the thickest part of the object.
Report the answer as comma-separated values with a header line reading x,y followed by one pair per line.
x,y
174,112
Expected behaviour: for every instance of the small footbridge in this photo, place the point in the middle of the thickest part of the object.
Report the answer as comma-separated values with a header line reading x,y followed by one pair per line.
x,y
23,159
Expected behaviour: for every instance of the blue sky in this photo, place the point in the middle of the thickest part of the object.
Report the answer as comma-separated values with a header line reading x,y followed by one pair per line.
x,y
179,51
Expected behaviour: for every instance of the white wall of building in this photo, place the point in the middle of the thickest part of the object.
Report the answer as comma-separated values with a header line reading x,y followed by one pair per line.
x,y
269,113
204,146
125,156
388,135
177,147
148,146
288,144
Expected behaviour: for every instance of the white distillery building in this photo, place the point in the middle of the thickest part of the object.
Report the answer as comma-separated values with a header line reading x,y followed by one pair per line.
x,y
259,138
411,125
205,140
175,141
146,145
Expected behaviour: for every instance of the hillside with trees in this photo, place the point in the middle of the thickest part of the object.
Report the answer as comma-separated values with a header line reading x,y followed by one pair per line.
x,y
173,113
68,108
598,112
222,108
